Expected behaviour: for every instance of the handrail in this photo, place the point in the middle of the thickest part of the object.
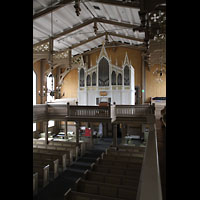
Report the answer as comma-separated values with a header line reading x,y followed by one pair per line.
x,y
150,184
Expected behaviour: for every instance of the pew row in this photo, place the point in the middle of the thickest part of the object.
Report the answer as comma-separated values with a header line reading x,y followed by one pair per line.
x,y
105,189
110,178
45,154
124,158
43,174
53,164
119,164
115,152
74,195
116,170
58,145
133,149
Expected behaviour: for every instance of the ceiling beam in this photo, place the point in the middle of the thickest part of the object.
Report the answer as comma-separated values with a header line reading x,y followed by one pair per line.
x,y
126,37
88,40
51,9
118,3
87,22
122,24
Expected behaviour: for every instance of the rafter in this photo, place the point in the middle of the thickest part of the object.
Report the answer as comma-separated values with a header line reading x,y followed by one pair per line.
x,y
118,3
51,9
87,22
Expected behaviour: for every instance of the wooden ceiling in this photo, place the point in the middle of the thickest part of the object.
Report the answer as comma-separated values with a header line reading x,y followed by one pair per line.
x,y
82,25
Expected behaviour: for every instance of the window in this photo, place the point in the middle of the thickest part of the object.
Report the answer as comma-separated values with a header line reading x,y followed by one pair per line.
x,y
34,126
51,123
126,76
113,78
103,72
34,88
82,82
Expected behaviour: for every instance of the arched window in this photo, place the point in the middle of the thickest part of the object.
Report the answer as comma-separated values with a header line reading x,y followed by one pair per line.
x,y
88,80
50,77
94,79
126,76
34,88
113,78
103,72
82,82
119,79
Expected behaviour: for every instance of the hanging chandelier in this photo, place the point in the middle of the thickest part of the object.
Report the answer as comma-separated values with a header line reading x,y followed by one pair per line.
x,y
160,71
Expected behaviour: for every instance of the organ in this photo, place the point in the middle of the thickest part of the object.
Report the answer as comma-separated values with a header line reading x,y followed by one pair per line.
x,y
106,82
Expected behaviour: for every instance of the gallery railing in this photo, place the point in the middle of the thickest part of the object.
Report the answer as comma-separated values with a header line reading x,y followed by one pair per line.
x,y
51,111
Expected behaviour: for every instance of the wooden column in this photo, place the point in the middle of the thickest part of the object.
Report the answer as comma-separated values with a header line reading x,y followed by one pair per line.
x,y
65,129
46,131
115,135
124,132
77,133
105,132
92,129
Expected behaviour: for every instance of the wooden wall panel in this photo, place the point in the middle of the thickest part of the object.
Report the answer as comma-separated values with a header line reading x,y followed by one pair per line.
x,y
153,88
70,84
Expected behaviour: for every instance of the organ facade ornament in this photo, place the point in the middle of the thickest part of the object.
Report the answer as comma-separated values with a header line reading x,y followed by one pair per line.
x,y
117,83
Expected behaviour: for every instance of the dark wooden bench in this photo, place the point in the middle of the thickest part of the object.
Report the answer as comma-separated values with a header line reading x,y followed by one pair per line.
x,y
43,174
116,170
52,156
120,164
105,189
122,158
53,163
124,153
110,178
58,145
74,195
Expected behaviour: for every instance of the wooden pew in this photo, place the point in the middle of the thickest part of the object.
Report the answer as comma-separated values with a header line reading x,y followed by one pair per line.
x,y
119,164
53,164
124,153
74,195
123,158
105,189
61,156
69,158
110,178
116,170
136,149
43,174
35,183
57,145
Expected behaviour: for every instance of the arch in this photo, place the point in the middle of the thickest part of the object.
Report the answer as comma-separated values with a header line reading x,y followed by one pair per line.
x,y
119,79
103,68
88,80
94,79
113,78
126,75
82,78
